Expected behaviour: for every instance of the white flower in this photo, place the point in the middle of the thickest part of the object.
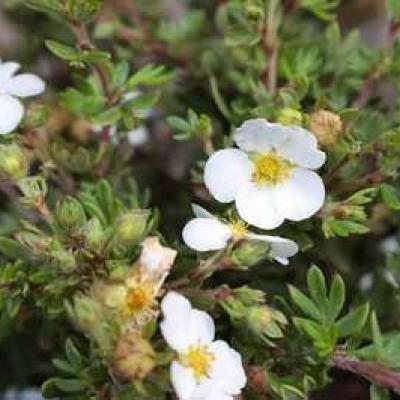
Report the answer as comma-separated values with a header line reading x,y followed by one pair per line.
x,y
155,258
205,369
138,137
11,87
207,233
270,177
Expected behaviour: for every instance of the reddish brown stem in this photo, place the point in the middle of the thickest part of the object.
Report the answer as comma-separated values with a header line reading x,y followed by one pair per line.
x,y
372,371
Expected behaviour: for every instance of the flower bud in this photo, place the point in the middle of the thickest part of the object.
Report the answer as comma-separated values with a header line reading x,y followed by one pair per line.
x,y
204,126
13,163
87,312
36,116
134,357
131,227
264,322
290,116
326,126
250,253
70,214
94,234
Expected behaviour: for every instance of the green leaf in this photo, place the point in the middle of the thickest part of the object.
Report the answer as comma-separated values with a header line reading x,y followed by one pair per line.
x,y
379,393
317,287
353,322
69,385
73,355
64,366
304,303
390,196
376,334
149,75
336,297
63,51
10,248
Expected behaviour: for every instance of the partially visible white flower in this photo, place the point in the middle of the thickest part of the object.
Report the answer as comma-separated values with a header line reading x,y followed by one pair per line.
x,y
155,258
207,233
389,245
205,369
138,137
11,87
270,178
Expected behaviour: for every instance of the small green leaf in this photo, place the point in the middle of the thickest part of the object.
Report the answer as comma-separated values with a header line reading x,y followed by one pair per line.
x,y
304,303
390,196
317,287
72,353
336,297
353,322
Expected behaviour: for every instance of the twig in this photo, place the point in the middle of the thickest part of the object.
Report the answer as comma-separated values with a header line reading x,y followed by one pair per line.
x,y
370,370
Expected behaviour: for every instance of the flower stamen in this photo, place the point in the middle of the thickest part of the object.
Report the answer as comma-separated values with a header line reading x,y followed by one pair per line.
x,y
270,168
199,359
239,229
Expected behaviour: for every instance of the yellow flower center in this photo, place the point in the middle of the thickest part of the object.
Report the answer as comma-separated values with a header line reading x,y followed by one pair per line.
x,y
199,359
239,229
139,298
270,168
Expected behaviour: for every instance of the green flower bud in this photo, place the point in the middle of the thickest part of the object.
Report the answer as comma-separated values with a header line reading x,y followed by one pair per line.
x,y
250,253
131,227
82,10
86,312
290,116
205,126
265,322
36,116
13,163
94,234
70,214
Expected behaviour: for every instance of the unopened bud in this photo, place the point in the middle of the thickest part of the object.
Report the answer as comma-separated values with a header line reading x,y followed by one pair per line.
x,y
134,357
250,253
265,321
205,126
131,227
13,163
70,214
94,234
86,312
290,116
326,126
36,116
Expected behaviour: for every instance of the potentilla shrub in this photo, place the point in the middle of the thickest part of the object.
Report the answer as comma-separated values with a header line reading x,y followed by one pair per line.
x,y
189,192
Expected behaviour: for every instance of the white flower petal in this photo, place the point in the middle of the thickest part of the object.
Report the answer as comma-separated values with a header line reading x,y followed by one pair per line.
x,y
281,248
300,148
201,327
301,196
11,113
24,85
206,234
138,137
176,310
227,370
201,212
258,135
7,70
257,206
183,381
225,172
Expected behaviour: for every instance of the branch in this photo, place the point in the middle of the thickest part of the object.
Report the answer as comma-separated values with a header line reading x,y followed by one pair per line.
x,y
372,371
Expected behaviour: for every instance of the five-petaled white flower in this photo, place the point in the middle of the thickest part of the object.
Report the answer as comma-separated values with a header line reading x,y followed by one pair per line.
x,y
205,369
270,177
207,233
11,87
